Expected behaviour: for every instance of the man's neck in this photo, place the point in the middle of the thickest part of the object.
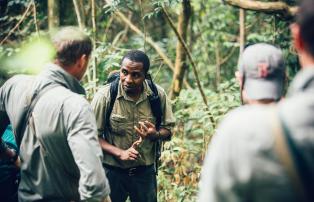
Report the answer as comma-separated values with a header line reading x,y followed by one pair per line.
x,y
135,95
306,60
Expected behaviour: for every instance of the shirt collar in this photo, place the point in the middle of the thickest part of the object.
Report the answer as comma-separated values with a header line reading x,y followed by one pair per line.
x,y
146,92
303,80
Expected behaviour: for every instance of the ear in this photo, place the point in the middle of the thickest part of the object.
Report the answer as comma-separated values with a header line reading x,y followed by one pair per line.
x,y
83,60
296,36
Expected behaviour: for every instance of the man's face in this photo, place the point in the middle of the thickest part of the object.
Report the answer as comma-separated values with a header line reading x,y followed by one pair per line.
x,y
132,76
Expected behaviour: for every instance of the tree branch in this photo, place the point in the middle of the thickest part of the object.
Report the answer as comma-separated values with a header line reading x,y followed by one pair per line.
x,y
149,41
94,26
18,24
35,17
192,63
225,59
267,7
147,38
78,14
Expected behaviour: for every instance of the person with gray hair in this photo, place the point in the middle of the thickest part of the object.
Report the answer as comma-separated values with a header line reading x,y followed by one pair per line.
x,y
55,127
263,152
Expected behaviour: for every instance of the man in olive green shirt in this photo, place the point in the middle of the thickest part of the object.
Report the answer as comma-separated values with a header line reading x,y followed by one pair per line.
x,y
130,163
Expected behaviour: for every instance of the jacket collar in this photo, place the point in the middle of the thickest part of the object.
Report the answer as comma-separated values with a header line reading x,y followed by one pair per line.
x,y
56,74
303,81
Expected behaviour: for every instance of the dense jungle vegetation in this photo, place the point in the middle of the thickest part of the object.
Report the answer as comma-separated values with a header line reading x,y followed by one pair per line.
x,y
193,45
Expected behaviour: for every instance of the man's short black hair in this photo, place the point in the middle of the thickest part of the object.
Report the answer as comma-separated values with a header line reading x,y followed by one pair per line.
x,y
138,56
305,19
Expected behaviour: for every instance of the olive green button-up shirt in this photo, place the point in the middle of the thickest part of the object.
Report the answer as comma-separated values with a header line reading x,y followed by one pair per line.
x,y
126,114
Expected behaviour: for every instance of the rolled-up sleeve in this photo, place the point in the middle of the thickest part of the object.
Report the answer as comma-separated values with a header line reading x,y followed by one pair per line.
x,y
83,142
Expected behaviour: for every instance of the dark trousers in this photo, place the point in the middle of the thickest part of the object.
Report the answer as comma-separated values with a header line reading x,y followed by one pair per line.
x,y
9,178
138,183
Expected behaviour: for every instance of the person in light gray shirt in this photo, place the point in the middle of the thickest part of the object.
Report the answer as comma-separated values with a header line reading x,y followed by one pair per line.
x,y
244,163
59,149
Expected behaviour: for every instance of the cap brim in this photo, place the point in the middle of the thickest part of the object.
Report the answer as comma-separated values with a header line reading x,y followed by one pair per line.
x,y
258,89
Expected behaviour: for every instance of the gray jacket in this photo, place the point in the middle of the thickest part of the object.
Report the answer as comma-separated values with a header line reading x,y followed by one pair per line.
x,y
241,164
60,153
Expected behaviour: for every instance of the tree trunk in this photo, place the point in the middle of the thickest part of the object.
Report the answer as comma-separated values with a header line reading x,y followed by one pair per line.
x,y
94,69
181,62
242,29
218,62
79,15
242,32
53,14
279,7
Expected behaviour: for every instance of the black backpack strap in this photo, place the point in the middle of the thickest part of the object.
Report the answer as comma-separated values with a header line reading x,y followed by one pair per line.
x,y
114,85
155,103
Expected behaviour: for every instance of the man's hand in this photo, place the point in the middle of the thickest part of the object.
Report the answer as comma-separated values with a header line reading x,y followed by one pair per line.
x,y
9,154
137,142
129,154
146,130
107,199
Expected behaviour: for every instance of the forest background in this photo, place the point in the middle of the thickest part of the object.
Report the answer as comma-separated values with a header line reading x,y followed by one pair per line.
x,y
194,47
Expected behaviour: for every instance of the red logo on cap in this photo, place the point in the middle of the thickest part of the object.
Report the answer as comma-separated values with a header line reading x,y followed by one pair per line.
x,y
262,69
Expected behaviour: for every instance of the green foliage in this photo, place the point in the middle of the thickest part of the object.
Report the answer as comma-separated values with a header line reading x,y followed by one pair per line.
x,y
28,58
183,155
13,14
213,40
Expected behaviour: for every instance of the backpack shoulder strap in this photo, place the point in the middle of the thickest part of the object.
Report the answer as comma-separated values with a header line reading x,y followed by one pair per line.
x,y
31,105
114,85
291,158
155,103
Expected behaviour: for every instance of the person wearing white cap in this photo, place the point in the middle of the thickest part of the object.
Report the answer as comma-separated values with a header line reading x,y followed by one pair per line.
x,y
261,74
265,152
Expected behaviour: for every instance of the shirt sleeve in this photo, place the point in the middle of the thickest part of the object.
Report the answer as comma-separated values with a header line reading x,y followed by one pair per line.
x,y
3,114
99,106
83,142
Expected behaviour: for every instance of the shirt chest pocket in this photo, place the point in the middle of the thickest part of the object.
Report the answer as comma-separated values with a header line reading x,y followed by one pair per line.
x,y
148,118
120,124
